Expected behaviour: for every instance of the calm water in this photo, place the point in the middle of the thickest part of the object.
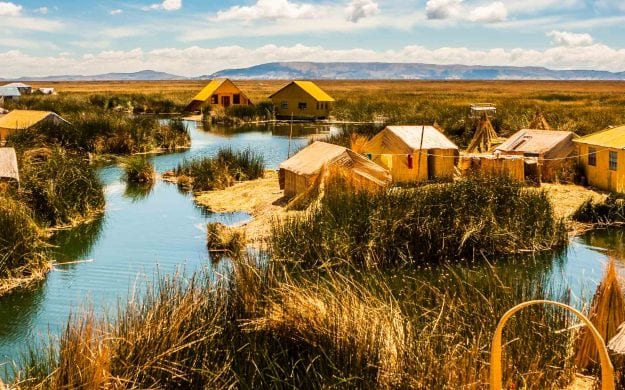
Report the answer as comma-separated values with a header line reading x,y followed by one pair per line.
x,y
141,234
162,231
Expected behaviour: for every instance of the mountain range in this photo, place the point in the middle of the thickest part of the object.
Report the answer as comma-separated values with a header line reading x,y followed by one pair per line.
x,y
358,71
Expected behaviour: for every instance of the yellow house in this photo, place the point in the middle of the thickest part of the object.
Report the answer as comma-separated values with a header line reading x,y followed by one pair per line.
x,y
602,156
25,119
413,153
302,99
219,93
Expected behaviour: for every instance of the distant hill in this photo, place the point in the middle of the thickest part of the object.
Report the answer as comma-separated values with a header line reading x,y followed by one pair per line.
x,y
401,71
144,75
358,71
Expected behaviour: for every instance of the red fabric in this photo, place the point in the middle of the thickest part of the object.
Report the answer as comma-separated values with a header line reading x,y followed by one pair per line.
x,y
410,161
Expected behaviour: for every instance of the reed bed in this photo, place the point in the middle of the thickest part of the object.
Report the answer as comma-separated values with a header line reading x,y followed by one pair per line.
x,y
21,246
269,327
222,238
611,211
60,188
222,170
469,219
139,170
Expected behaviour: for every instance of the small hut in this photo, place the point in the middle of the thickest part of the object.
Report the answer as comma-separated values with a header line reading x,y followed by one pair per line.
x,y
491,165
413,153
554,151
298,173
302,99
25,119
485,137
9,171
24,89
602,155
219,93
9,94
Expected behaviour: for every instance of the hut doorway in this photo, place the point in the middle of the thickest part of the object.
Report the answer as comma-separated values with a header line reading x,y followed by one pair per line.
x,y
532,171
225,101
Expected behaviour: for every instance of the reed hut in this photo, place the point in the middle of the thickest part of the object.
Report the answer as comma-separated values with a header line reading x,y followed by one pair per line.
x,y
25,119
302,100
555,152
413,153
219,93
485,137
492,165
602,156
9,171
298,173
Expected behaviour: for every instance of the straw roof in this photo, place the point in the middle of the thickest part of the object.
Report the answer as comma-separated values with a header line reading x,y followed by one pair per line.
x,y
539,122
310,88
609,138
8,164
535,141
484,138
24,119
409,138
607,313
310,160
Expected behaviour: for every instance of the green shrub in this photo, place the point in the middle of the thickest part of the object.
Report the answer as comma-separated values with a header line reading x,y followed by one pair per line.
x,y
139,169
610,211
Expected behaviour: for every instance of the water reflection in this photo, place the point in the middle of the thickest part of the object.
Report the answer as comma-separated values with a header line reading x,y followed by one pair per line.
x,y
137,192
613,240
74,244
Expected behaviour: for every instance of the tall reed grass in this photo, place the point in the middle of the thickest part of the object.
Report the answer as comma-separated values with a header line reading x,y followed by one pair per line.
x,y
465,220
222,170
61,188
139,170
608,212
265,327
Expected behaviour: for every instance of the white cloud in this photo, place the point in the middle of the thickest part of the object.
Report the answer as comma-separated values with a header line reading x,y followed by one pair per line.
x,y
443,9
569,39
42,10
33,24
494,12
194,61
10,9
167,5
270,9
116,11
458,10
359,9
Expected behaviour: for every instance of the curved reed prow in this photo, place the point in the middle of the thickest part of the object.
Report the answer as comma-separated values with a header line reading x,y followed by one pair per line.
x,y
607,371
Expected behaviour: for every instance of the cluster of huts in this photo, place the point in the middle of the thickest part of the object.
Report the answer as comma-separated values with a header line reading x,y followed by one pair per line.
x,y
297,99
410,154
13,91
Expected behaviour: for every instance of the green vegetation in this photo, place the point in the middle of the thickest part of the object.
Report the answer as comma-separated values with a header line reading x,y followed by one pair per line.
x,y
139,170
59,187
609,212
105,133
267,328
21,246
467,219
221,171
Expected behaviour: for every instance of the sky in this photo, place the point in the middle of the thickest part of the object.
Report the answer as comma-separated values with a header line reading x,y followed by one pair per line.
x,y
199,37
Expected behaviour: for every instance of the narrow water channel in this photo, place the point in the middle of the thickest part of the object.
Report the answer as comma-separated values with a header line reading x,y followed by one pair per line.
x,y
139,236
162,231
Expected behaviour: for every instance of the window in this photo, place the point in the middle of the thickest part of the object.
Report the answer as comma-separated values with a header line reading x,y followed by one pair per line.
x,y
236,99
613,161
318,105
592,157
302,105
284,105
214,99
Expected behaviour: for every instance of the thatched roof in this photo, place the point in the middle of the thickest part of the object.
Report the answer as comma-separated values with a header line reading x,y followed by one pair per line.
x,y
536,141
408,139
8,164
607,313
25,119
310,160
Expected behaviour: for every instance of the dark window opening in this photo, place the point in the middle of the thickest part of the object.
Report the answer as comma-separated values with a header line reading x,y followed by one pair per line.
x,y
284,105
236,99
302,105
592,157
215,99
613,161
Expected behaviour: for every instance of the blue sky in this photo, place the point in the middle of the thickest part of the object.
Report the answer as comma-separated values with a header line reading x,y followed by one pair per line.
x,y
195,37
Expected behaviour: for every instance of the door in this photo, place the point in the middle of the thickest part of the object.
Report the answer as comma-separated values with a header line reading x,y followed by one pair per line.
x,y
225,101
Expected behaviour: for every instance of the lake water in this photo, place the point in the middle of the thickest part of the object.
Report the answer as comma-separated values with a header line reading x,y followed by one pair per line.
x,y
162,231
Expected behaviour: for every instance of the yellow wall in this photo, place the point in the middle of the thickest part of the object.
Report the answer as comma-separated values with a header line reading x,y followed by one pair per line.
x,y
295,184
228,89
293,95
397,165
600,176
442,163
